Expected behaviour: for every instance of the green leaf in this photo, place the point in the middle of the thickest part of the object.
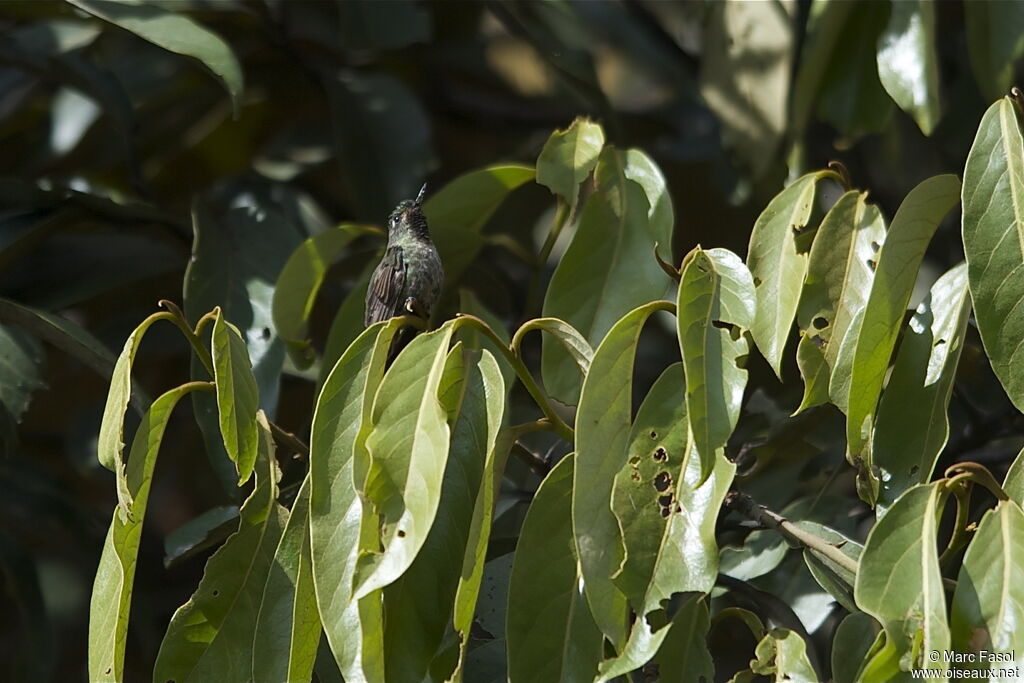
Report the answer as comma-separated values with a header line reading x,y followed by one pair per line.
x,y
419,604
237,396
110,443
988,605
347,324
716,305
572,341
684,655
22,371
839,274
201,532
908,65
469,304
782,654
993,44
337,462
629,213
666,514
551,633
476,546
898,580
110,606
1013,484
912,228
299,283
288,625
176,33
459,211
602,436
912,425
850,645
778,265
568,158
210,637
746,65
830,575
408,447
993,229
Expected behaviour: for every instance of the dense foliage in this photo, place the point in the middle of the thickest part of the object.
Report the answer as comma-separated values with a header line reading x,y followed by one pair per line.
x,y
666,481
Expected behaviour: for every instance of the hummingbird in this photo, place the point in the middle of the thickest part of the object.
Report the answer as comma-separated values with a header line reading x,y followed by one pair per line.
x,y
408,278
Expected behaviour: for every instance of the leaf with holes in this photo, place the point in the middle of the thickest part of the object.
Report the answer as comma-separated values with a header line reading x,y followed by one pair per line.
x,y
912,425
210,637
993,231
716,306
602,436
778,265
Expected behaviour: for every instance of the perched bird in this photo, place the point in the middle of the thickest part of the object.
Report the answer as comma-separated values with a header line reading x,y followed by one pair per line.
x,y
408,279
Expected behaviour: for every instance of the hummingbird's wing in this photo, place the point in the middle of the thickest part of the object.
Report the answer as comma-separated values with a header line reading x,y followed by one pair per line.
x,y
384,295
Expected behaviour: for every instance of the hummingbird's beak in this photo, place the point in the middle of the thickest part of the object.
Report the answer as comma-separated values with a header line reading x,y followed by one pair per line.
x,y
419,197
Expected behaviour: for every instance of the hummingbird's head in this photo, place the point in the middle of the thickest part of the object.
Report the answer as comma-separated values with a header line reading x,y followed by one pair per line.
x,y
408,217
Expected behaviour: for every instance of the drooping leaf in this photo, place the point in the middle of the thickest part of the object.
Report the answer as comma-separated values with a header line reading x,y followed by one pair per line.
x,y
288,625
115,576
778,265
746,65
716,305
199,533
338,461
419,605
993,44
299,283
576,346
782,655
550,631
237,396
619,225
993,231
988,604
835,578
1013,484
912,228
908,64
568,157
408,447
912,424
602,436
210,637
899,582
839,274
684,655
175,32
458,212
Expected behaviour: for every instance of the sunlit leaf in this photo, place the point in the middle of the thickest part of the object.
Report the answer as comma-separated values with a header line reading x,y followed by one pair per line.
x,y
210,637
782,655
237,396
575,345
988,604
778,265
993,231
908,64
288,625
115,575
830,575
408,447
338,461
899,582
602,436
568,157
1013,485
912,425
175,32
419,605
618,227
716,305
912,228
551,633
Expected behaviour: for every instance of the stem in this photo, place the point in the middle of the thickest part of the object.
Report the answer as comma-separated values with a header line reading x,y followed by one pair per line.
x,y
562,213
557,424
960,537
748,507
538,465
978,474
